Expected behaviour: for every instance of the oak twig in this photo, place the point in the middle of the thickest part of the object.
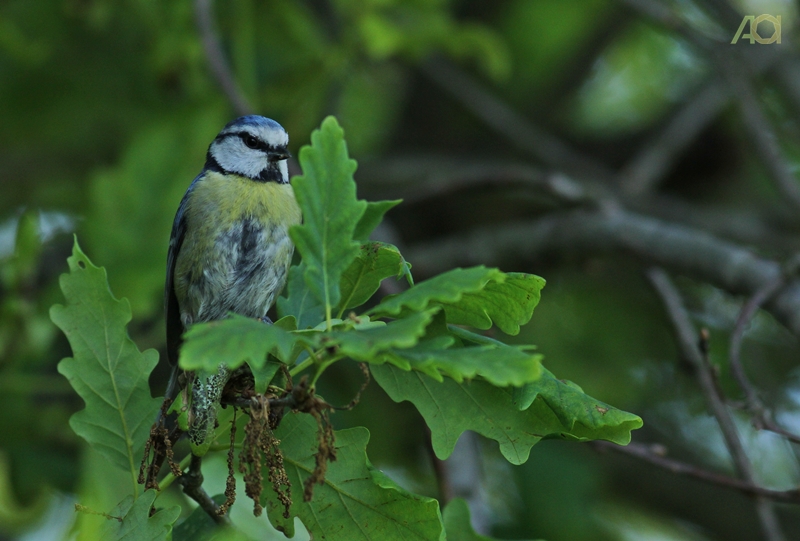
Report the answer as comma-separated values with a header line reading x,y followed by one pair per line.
x,y
655,454
688,342
502,118
192,482
762,418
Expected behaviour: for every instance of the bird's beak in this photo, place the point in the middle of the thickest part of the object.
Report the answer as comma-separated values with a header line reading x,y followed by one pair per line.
x,y
278,155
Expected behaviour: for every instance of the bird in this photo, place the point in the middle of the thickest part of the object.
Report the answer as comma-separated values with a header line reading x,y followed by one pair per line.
x,y
229,249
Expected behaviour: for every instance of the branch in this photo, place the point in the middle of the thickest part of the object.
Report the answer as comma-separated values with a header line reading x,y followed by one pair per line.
x,y
504,120
426,177
761,132
687,340
421,178
192,482
654,454
762,418
582,233
652,163
216,58
647,168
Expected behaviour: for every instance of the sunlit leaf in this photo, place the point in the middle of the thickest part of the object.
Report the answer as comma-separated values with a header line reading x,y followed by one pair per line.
x,y
326,193
365,345
106,370
501,366
508,303
446,288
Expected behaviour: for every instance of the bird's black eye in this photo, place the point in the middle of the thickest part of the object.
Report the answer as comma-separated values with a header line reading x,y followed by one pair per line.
x,y
250,141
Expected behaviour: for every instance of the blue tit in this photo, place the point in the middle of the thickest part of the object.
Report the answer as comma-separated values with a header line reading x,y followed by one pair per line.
x,y
229,250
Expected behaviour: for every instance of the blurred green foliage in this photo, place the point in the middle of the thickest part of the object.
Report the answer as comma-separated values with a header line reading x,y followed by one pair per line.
x,y
108,106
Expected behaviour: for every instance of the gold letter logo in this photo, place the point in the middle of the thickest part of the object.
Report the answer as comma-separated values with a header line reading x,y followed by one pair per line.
x,y
753,35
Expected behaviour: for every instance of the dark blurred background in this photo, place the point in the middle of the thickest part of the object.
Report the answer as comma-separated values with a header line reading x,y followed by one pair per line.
x,y
583,141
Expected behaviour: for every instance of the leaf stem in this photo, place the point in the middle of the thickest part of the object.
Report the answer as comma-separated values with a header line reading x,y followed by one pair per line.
x,y
328,324
170,477
302,366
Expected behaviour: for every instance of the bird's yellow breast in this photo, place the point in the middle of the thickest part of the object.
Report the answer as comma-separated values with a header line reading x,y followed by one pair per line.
x,y
236,251
220,200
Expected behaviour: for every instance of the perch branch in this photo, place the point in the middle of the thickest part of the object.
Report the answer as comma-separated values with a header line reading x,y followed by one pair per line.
x,y
192,482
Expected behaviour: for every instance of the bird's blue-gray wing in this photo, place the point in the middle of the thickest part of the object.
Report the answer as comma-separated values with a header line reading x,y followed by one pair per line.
x,y
172,310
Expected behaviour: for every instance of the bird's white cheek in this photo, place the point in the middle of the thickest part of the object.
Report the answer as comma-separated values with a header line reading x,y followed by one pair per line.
x,y
233,156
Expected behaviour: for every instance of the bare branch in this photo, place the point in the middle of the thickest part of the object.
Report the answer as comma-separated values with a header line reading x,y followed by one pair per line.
x,y
654,160
216,58
503,119
192,482
762,417
421,178
687,250
654,454
688,341
762,134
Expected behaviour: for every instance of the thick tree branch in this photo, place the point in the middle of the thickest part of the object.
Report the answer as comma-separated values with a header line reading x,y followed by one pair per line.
x,y
420,178
686,250
688,342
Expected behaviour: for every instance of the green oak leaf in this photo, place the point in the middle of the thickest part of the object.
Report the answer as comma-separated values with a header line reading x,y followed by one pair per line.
x,y
375,262
575,408
263,375
326,194
299,301
399,343
234,341
446,288
107,370
373,215
506,365
356,502
449,408
508,303
457,523
366,344
137,524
